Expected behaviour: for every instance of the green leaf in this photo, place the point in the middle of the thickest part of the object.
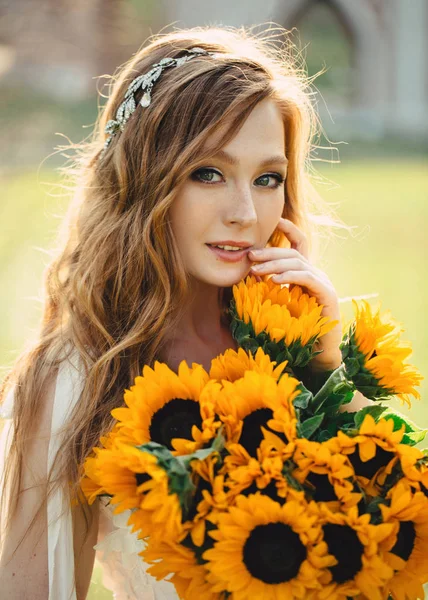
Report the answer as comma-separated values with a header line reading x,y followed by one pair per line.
x,y
219,440
345,419
179,481
301,355
303,399
252,345
372,392
334,401
375,410
400,420
308,427
352,366
331,407
365,379
241,329
338,380
415,437
200,454
348,396
344,349
373,505
272,348
323,436
217,445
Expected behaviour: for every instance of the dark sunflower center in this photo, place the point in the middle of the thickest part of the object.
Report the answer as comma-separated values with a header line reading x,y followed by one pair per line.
x,y
273,553
141,478
251,434
175,420
324,491
405,540
372,466
343,544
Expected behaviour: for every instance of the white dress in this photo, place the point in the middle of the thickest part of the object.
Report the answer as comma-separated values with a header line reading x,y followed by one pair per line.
x,y
124,572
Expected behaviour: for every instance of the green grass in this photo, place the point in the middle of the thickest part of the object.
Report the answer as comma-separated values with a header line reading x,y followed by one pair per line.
x,y
386,255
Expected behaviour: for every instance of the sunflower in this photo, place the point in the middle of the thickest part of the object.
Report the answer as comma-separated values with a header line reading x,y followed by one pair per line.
x,y
361,568
164,405
375,359
231,365
254,401
264,550
188,576
409,466
285,321
91,484
407,554
264,476
135,481
328,476
417,473
109,440
210,497
373,451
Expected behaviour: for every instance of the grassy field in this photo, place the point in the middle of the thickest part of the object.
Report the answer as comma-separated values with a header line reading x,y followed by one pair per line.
x,y
386,201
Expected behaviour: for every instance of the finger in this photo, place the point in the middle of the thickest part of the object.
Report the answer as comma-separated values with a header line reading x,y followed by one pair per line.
x,y
280,266
263,255
307,279
273,253
296,236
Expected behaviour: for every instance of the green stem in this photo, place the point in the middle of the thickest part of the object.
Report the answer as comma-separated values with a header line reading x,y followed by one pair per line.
x,y
337,382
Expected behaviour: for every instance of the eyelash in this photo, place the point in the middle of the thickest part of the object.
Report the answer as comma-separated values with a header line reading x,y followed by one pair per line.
x,y
279,178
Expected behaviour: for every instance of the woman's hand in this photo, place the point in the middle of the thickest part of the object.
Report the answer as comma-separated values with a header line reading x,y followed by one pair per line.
x,y
291,265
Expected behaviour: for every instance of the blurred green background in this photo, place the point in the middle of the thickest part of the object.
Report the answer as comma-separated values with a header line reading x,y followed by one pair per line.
x,y
380,185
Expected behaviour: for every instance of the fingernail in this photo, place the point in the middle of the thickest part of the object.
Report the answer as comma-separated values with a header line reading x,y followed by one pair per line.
x,y
256,252
257,267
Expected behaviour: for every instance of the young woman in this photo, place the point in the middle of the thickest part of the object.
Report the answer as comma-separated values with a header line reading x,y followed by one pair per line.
x,y
195,177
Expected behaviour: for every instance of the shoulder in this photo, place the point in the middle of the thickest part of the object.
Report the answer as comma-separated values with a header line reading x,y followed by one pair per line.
x,y
67,378
71,376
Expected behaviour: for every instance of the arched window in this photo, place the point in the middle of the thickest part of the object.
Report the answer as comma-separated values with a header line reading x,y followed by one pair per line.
x,y
329,44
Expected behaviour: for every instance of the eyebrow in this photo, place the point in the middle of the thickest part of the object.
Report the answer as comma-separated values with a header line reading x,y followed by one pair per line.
x,y
231,160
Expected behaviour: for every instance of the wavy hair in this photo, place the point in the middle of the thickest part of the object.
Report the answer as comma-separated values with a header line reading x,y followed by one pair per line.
x,y
115,287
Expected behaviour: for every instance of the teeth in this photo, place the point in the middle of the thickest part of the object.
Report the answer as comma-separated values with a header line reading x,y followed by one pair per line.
x,y
235,248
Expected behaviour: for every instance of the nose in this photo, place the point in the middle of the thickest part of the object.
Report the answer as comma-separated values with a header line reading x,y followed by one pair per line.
x,y
240,208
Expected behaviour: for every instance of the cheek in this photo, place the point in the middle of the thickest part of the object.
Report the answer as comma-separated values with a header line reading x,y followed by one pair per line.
x,y
180,214
190,217
269,215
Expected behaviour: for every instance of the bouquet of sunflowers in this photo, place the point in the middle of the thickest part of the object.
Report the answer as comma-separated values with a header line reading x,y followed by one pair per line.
x,y
251,481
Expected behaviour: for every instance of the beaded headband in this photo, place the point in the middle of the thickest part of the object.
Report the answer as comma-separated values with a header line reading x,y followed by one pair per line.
x,y
144,82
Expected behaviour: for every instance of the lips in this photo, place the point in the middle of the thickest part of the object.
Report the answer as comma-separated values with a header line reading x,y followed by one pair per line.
x,y
231,256
231,243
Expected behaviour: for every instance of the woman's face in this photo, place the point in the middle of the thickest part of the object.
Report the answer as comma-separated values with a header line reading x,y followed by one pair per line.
x,y
237,196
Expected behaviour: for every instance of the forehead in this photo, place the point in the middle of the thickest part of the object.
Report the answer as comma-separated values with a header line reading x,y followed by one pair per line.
x,y
262,131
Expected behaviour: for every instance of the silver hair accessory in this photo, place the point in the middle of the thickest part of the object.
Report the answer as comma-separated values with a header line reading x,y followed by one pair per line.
x,y
144,82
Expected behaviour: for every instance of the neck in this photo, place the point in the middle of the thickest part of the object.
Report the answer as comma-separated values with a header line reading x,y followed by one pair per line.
x,y
200,334
200,320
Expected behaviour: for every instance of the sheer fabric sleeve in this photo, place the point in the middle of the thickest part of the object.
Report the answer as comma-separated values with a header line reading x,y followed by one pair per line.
x,y
58,546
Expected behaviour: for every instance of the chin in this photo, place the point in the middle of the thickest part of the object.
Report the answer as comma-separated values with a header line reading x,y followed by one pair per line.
x,y
229,279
